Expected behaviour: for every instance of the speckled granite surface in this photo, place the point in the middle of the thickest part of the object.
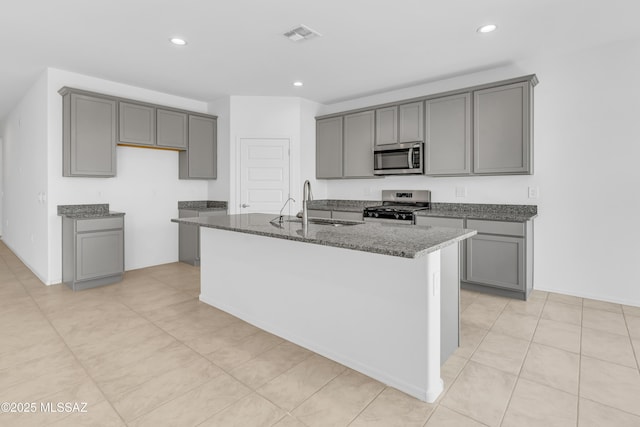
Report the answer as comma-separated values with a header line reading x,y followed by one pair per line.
x,y
87,211
515,213
203,205
491,212
342,205
407,241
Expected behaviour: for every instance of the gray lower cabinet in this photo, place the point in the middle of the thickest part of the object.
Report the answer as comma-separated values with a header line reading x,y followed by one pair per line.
x,y
89,135
448,135
359,135
137,124
502,129
329,148
496,261
171,129
387,125
200,159
92,251
499,259
189,235
411,122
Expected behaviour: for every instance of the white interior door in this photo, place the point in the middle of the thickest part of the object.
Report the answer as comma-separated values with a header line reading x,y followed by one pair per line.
x,y
264,174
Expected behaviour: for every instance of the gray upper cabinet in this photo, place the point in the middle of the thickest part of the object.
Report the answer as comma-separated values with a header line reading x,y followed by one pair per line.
x,y
502,129
411,122
200,159
448,135
137,124
329,148
89,135
480,130
387,125
171,129
359,134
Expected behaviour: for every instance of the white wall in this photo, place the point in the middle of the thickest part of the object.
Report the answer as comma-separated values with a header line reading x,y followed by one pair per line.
x,y
586,167
219,189
25,177
274,117
146,187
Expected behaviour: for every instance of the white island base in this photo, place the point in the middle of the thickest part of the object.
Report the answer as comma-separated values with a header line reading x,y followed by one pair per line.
x,y
377,314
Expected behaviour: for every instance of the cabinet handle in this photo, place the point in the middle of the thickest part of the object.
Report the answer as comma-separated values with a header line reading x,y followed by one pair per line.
x,y
244,205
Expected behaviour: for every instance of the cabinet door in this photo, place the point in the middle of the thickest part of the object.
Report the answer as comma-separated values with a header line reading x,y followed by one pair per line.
x,y
496,260
89,136
387,125
501,129
329,148
201,154
448,135
99,254
188,238
358,144
171,129
411,122
137,124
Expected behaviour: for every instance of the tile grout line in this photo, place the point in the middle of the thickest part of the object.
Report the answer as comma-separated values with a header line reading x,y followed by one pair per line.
x,y
580,365
84,368
633,349
504,413
367,405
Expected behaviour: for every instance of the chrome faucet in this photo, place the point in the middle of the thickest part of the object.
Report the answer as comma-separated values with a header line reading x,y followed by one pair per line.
x,y
306,196
280,217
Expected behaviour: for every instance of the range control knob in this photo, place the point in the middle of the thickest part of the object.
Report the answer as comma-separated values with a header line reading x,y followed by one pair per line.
x,y
403,216
376,215
396,215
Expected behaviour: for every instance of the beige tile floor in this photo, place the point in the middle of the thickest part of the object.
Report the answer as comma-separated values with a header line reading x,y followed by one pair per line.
x,y
146,352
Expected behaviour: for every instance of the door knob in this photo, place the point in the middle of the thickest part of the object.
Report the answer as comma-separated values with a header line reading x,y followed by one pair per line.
x,y
244,205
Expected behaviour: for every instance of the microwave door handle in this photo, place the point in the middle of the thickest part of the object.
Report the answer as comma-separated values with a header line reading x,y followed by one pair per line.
x,y
410,158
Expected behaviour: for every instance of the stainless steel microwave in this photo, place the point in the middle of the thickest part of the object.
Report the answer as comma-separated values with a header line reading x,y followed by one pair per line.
x,y
399,159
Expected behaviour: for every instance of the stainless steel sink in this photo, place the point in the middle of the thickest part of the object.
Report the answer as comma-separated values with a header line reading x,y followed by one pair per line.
x,y
327,221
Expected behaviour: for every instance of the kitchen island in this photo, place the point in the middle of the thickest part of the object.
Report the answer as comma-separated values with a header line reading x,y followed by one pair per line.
x,y
367,295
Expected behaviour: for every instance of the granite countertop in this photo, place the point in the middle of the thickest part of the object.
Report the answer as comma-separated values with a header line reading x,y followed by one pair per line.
x,y
342,205
513,213
87,211
407,241
203,205
490,212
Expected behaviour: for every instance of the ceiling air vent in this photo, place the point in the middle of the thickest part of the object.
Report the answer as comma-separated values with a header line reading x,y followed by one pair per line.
x,y
301,33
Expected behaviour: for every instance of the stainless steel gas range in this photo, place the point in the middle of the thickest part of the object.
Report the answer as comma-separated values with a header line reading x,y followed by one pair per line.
x,y
398,206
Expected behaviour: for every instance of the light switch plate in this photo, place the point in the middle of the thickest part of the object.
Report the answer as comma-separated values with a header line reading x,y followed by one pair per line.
x,y
534,192
461,191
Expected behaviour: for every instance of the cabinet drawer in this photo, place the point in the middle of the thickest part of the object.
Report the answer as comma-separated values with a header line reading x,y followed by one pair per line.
x,y
347,216
98,224
497,227
318,213
440,222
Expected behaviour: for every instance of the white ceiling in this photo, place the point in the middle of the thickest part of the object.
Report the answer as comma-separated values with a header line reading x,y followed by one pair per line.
x,y
236,46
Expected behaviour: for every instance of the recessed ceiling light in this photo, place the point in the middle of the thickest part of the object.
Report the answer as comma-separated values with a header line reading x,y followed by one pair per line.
x,y
487,28
178,41
297,84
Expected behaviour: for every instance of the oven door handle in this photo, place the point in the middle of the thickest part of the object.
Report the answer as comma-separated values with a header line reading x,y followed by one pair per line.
x,y
410,158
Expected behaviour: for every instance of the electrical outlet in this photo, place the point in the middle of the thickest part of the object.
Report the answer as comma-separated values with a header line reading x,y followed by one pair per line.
x,y
461,191
534,192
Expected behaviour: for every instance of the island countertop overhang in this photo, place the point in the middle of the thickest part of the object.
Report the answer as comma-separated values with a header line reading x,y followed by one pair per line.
x,y
406,241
